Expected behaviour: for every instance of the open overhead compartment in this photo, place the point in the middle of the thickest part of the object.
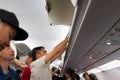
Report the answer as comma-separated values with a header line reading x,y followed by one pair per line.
x,y
22,49
95,35
60,12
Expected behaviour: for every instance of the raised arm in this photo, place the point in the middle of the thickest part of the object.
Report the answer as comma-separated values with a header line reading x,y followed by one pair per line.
x,y
58,54
57,51
19,64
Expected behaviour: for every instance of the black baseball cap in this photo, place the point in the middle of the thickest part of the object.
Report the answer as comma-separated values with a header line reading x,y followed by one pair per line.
x,y
11,19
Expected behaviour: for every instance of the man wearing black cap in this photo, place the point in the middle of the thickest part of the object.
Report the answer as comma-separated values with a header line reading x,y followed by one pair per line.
x,y
9,28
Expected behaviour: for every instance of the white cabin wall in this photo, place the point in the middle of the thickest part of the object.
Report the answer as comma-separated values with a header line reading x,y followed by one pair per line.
x,y
113,74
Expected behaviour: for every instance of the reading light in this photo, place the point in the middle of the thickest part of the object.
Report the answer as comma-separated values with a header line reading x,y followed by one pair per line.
x,y
108,43
90,57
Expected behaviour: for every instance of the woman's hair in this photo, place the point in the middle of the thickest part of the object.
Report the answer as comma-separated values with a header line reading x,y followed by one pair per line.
x,y
30,54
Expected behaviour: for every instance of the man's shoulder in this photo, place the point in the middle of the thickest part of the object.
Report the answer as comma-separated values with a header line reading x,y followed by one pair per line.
x,y
38,60
13,73
38,63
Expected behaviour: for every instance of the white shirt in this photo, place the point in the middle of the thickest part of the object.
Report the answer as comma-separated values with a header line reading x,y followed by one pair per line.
x,y
40,70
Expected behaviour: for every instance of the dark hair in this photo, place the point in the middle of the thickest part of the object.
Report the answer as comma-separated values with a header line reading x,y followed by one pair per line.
x,y
35,51
30,54
71,72
54,70
85,74
77,77
18,71
93,76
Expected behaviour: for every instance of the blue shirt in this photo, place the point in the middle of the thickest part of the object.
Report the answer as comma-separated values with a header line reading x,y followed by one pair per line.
x,y
12,75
